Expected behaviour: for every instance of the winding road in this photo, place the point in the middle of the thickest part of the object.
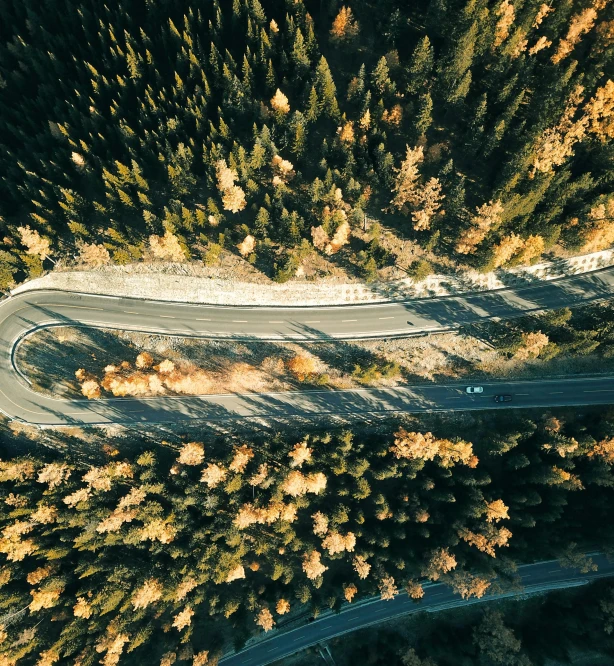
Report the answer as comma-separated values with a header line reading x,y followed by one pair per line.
x,y
539,577
22,314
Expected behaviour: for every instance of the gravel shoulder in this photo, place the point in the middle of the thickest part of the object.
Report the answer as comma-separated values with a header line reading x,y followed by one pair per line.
x,y
193,282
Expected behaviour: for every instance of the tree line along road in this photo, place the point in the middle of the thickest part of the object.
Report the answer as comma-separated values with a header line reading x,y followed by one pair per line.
x,y
532,578
24,313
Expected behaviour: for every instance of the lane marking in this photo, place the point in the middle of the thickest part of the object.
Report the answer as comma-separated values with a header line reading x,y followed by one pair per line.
x,y
313,321
80,307
346,321
239,321
556,392
197,319
385,318
522,393
276,322
600,391
166,317
130,312
453,397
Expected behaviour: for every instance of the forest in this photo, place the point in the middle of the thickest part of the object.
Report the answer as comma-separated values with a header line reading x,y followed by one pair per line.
x,y
570,626
174,130
179,553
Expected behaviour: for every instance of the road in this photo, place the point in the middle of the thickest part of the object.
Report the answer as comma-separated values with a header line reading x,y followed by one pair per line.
x,y
533,577
28,311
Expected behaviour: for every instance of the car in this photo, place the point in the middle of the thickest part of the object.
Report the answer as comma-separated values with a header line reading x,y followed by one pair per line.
x,y
475,389
504,397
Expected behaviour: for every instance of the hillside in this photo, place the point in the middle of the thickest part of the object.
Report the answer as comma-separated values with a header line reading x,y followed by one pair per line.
x,y
480,132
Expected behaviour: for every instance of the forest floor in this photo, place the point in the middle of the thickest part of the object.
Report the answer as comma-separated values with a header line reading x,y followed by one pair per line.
x,y
52,357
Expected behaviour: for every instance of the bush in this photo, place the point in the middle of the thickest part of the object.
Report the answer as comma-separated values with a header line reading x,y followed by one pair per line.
x,y
420,270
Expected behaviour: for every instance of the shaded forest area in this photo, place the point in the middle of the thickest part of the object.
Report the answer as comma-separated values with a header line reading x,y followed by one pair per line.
x,y
164,556
171,130
564,627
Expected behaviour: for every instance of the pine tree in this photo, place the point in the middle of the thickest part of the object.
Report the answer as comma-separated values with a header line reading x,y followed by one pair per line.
x,y
326,90
421,66
312,111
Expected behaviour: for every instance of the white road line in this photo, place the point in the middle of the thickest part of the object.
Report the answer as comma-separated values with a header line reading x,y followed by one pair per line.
x,y
276,322
554,571
239,321
600,391
453,397
166,317
80,307
130,312
346,321
385,317
313,321
522,394
202,319
556,392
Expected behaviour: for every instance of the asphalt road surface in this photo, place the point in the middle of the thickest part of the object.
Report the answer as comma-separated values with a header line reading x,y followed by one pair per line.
x,y
533,578
24,313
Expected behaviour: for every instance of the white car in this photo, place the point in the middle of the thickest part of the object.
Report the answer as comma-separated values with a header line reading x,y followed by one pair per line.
x,y
475,389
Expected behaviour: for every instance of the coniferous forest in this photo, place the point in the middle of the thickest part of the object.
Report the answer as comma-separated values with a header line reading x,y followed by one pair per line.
x,y
157,555
181,129
481,130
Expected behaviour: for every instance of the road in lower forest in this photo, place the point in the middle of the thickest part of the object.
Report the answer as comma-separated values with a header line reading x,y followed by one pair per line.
x,y
29,311
538,577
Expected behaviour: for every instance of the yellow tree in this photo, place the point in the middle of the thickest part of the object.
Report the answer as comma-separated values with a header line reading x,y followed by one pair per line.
x,y
302,366
93,254
312,565
532,345
468,585
406,183
387,588
440,562
345,27
507,247
579,25
506,13
556,143
428,202
496,511
487,215
280,103
600,111
35,243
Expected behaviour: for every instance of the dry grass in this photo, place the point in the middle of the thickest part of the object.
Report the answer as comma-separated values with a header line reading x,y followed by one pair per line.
x,y
210,366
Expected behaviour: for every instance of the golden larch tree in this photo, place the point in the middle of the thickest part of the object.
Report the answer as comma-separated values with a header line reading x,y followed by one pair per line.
x,y
487,215
312,565
345,28
279,103
35,243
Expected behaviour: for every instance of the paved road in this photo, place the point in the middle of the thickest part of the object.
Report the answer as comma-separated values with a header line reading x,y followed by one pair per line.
x,y
28,311
533,577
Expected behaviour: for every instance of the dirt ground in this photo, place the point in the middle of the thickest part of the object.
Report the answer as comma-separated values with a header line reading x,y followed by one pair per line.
x,y
52,359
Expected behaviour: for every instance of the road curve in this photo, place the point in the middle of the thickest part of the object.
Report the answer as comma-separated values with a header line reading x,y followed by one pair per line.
x,y
541,576
29,311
